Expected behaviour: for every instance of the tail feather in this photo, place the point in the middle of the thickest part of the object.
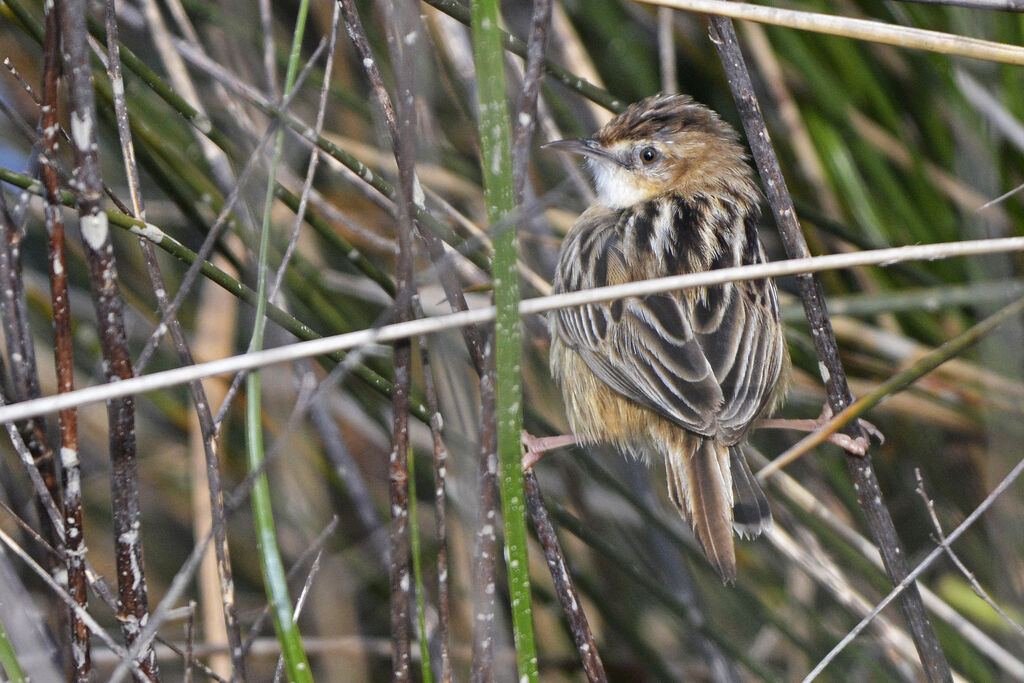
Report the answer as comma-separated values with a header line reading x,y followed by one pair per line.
x,y
751,515
701,487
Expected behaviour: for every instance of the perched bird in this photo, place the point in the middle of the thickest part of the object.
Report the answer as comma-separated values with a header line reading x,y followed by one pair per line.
x,y
680,375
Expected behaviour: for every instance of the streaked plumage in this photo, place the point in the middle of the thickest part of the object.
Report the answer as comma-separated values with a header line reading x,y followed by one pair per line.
x,y
682,375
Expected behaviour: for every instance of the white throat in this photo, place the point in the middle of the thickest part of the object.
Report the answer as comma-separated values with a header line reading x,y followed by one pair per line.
x,y
616,187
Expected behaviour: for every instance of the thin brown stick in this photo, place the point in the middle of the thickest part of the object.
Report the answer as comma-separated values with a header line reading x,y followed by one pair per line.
x,y
568,597
9,65
74,532
213,338
402,40
190,641
398,476
440,461
865,482
486,542
133,608
533,75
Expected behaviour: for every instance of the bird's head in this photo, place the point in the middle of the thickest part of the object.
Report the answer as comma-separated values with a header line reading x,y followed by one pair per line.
x,y
663,144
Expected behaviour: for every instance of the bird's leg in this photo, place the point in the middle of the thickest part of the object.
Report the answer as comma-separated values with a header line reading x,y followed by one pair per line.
x,y
534,447
858,446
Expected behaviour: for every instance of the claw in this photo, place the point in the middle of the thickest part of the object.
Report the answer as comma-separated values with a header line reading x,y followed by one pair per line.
x,y
872,430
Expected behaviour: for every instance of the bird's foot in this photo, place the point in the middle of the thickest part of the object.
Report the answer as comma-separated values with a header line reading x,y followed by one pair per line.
x,y
534,447
858,446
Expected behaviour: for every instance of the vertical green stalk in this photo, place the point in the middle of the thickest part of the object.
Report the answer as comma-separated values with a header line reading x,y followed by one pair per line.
x,y
8,659
274,575
500,196
417,573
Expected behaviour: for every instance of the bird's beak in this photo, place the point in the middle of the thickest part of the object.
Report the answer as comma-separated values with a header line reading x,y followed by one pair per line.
x,y
588,147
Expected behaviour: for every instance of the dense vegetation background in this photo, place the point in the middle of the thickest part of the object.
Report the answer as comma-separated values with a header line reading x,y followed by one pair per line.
x,y
880,145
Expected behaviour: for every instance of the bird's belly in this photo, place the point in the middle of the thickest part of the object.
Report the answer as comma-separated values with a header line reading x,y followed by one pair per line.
x,y
595,411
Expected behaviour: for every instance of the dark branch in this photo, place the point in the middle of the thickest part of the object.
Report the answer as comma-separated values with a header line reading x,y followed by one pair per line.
x,y
865,482
133,607
568,597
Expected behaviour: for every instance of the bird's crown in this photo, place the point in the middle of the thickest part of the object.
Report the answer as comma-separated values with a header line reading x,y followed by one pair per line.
x,y
663,117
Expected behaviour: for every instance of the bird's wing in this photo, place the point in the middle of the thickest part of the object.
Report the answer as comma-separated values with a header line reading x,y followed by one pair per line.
x,y
737,328
643,348
650,355
707,364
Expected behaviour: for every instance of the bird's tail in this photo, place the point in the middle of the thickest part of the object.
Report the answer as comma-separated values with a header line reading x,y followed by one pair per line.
x,y
700,485
714,488
751,515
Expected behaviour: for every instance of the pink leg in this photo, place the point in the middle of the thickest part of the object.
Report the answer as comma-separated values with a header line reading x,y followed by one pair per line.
x,y
535,448
855,446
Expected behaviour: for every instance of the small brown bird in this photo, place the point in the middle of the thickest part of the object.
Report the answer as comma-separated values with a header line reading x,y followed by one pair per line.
x,y
682,375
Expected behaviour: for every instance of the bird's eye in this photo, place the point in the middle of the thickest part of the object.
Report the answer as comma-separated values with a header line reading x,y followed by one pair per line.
x,y
649,155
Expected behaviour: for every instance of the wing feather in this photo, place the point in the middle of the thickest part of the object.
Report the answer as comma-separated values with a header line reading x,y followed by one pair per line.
x,y
705,362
